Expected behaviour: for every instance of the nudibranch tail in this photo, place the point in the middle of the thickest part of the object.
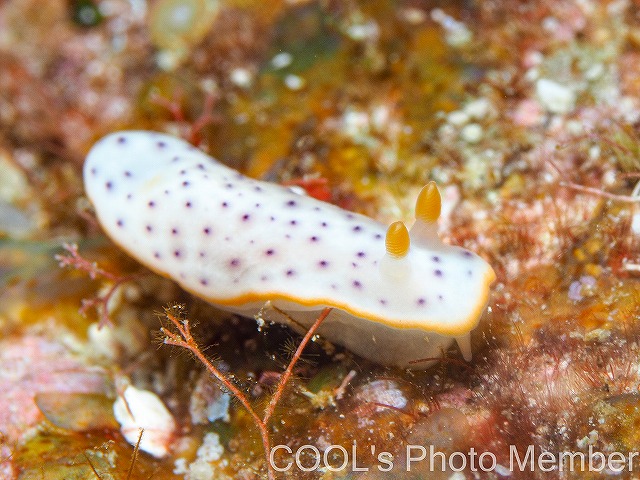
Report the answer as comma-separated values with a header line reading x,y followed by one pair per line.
x,y
429,203
464,344
238,243
397,240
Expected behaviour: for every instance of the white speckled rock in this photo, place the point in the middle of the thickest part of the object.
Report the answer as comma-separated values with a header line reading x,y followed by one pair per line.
x,y
556,98
138,410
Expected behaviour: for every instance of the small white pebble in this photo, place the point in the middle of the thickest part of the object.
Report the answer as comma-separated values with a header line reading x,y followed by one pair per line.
x,y
200,470
556,98
458,118
594,72
471,133
211,449
241,77
456,33
502,470
363,31
180,466
414,16
635,223
294,82
139,410
478,109
281,60
457,476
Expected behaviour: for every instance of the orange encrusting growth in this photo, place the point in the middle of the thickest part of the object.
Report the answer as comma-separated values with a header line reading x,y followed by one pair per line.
x,y
429,203
397,240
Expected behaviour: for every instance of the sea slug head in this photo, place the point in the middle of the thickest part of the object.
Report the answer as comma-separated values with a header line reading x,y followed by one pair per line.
x,y
454,281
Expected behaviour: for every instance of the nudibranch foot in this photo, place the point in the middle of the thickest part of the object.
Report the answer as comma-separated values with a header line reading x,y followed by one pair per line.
x,y
376,342
239,243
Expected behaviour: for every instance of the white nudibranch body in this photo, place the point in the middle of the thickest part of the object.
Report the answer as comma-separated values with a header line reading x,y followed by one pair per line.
x,y
239,243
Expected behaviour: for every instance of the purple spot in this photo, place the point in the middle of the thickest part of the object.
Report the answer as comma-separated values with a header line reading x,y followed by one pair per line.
x,y
176,253
377,236
361,254
166,192
437,273
357,284
119,222
350,216
293,222
290,273
467,254
174,231
202,254
323,263
263,278
316,209
272,218
314,239
257,188
151,204
175,159
269,252
108,185
188,204
201,166
246,217
185,184
357,228
127,173
229,185
324,224
436,259
156,254
235,262
334,286
149,228
257,205
203,281
161,144
291,203
383,301
206,230
183,172
122,140
421,302
225,204
93,171
129,196
440,297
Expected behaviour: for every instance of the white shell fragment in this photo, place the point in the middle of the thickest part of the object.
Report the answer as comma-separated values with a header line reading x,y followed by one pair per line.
x,y
137,410
239,243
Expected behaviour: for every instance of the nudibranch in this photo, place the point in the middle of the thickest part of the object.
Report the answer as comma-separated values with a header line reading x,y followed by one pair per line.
x,y
240,243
